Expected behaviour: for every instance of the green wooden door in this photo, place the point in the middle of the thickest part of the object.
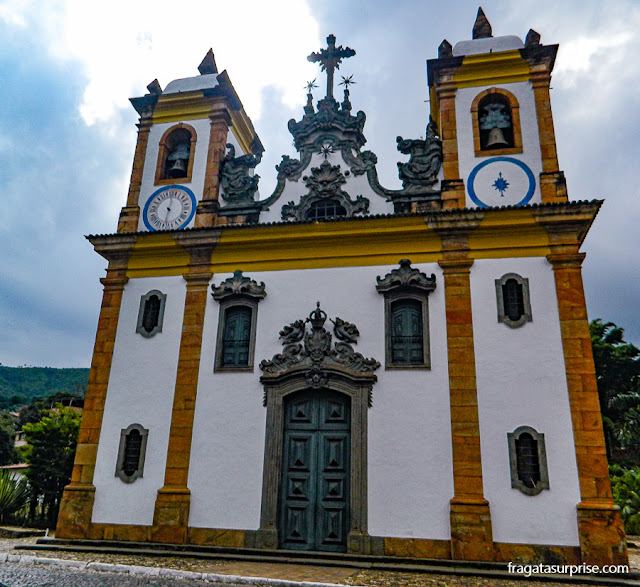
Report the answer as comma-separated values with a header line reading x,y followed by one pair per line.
x,y
314,493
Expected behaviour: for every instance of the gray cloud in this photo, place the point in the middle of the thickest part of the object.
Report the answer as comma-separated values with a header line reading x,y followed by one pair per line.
x,y
60,179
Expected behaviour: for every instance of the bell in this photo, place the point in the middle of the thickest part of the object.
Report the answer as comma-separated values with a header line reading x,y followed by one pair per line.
x,y
496,139
178,169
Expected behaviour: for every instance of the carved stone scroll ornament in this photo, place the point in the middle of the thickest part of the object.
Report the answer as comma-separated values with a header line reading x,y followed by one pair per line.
x,y
238,187
316,355
420,173
238,285
406,277
324,183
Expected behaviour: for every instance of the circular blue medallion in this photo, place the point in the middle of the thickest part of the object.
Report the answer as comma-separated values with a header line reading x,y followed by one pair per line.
x,y
501,181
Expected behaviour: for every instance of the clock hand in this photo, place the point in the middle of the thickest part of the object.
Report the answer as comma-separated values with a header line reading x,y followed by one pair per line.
x,y
166,218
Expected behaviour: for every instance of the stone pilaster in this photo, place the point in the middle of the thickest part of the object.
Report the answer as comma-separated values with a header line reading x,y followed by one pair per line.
x,y
130,214
207,210
452,186
171,515
471,532
553,187
602,539
76,507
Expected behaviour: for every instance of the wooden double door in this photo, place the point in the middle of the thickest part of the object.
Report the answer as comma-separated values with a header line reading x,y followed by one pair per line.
x,y
315,486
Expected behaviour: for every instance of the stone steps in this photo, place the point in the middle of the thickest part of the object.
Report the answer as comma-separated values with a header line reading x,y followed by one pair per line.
x,y
494,570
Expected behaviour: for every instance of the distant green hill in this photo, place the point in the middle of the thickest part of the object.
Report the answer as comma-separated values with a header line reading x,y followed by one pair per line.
x,y
20,385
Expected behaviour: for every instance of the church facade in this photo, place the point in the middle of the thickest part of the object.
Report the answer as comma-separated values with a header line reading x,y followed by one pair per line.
x,y
343,367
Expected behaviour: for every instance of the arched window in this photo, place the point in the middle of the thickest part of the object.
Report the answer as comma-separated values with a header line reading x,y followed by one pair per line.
x,y
512,296
325,208
238,297
131,453
528,460
495,116
406,313
176,154
407,338
151,313
237,336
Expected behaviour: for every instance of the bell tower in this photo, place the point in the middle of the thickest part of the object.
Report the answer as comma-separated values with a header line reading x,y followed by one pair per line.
x,y
183,133
490,98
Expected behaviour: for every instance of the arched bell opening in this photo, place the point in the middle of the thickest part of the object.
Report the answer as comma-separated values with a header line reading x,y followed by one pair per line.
x,y
176,154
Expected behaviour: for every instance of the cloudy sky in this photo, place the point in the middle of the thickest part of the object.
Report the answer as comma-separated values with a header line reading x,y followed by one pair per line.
x,y
67,130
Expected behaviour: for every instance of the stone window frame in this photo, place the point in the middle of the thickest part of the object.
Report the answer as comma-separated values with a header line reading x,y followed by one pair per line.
x,y
143,302
526,300
516,483
235,291
163,153
144,433
406,283
515,121
225,306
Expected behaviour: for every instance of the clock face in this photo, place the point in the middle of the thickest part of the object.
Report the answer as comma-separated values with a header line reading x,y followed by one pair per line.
x,y
170,208
501,181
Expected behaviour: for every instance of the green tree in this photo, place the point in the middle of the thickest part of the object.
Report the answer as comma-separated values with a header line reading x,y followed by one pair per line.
x,y
625,486
617,365
51,449
8,453
14,494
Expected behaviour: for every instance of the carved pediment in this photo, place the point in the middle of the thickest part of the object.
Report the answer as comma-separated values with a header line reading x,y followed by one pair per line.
x,y
406,277
239,285
312,349
324,185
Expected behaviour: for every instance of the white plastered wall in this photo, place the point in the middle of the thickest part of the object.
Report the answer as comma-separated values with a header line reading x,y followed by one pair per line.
x,y
141,389
530,155
356,185
521,380
196,185
410,478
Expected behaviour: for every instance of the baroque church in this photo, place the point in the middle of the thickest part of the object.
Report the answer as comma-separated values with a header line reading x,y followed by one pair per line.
x,y
340,366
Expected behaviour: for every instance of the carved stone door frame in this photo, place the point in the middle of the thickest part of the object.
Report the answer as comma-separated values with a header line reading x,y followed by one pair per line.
x,y
358,386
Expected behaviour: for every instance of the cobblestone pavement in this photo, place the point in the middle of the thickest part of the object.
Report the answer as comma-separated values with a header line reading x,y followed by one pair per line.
x,y
29,575
339,575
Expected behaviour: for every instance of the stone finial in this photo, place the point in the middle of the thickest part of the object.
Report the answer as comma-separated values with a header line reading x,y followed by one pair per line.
x,y
154,87
208,64
533,38
445,50
482,27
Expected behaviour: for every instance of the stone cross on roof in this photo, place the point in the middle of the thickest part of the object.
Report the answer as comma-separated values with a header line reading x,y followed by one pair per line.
x,y
330,59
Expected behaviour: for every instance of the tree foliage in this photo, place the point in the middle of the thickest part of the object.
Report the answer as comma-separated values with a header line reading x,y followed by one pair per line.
x,y
625,486
14,494
8,453
51,450
617,365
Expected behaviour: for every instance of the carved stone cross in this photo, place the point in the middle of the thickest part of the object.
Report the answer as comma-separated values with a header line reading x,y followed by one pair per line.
x,y
330,59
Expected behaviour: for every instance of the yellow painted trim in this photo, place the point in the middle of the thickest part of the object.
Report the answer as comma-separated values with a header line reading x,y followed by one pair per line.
x,y
157,254
186,106
382,241
490,69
